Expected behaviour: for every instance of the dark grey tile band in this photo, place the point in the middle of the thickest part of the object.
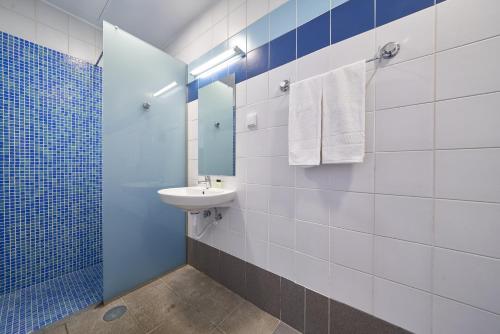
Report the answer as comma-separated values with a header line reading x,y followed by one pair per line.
x,y
300,308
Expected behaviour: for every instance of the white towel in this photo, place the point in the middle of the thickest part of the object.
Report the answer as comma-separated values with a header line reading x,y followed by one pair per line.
x,y
343,138
304,122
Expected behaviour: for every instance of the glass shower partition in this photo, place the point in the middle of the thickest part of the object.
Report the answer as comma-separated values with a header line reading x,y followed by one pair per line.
x,y
144,150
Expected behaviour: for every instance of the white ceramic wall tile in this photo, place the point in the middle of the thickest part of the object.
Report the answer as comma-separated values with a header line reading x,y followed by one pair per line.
x,y
406,218
256,9
258,142
467,278
313,177
257,88
281,201
23,7
256,252
404,262
481,17
369,132
17,24
241,144
237,19
353,249
450,317
352,287
405,173
405,128
312,205
404,306
219,10
257,225
415,34
192,109
282,231
82,50
278,111
281,261
278,141
51,38
235,220
394,82
52,17
258,170
276,75
312,239
468,226
312,273
313,64
193,149
241,94
282,174
352,50
469,122
261,109
233,4
468,174
468,70
219,32
354,177
257,197
81,30
193,129
353,211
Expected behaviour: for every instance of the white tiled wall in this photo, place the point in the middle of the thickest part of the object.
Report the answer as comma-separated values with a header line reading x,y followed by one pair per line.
x,y
38,22
412,235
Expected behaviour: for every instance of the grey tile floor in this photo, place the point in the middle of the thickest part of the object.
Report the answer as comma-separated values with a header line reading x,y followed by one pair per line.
x,y
184,301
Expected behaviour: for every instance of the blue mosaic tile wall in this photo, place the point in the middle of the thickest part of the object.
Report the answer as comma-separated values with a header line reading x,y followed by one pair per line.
x,y
51,166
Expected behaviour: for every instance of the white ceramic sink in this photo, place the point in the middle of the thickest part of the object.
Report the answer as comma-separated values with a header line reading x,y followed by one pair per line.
x,y
197,198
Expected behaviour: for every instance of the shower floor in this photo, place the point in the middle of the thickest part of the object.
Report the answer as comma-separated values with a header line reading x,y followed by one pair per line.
x,y
29,309
185,301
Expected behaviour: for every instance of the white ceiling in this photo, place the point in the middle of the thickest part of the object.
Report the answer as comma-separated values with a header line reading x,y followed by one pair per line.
x,y
155,21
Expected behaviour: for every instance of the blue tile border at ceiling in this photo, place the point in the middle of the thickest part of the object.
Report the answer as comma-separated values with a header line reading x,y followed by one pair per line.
x,y
352,18
258,61
346,19
313,35
283,49
391,10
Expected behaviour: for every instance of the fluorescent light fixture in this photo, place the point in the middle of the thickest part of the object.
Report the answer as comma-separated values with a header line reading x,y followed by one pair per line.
x,y
165,89
218,60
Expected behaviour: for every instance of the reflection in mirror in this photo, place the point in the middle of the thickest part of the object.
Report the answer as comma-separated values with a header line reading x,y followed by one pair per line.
x,y
216,128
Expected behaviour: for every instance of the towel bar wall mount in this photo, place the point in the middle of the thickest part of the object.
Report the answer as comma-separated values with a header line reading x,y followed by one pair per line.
x,y
388,51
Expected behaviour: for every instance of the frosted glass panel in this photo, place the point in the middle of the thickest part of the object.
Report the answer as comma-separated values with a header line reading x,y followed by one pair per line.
x,y
216,128
144,150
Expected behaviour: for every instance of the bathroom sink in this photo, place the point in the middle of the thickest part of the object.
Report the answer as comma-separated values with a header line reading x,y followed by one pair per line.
x,y
197,198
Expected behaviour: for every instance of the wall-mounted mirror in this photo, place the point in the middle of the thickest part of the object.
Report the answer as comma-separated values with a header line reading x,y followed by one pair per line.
x,y
216,128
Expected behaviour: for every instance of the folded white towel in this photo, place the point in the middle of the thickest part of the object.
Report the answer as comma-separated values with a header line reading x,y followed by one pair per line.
x,y
304,122
343,138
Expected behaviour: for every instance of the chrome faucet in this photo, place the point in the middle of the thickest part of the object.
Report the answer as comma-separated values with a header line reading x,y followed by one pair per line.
x,y
207,181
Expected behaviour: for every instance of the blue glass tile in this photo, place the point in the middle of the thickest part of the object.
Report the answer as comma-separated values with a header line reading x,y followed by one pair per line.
x,y
258,61
390,10
313,35
352,18
239,69
283,19
192,91
282,49
258,33
439,1
308,10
